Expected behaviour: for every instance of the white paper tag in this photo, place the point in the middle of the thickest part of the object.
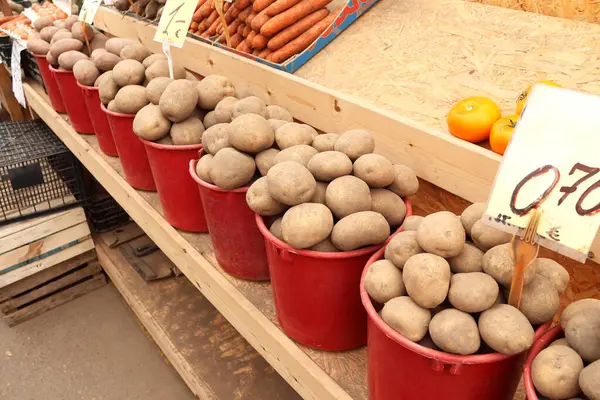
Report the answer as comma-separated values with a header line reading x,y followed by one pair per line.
x,y
64,5
166,47
15,63
89,10
29,13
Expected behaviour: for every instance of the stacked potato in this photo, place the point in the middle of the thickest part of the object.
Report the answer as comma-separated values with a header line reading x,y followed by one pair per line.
x,y
560,371
448,293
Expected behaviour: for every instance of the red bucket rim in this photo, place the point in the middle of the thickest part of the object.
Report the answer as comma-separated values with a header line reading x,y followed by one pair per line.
x,y
58,71
39,56
115,114
538,345
209,186
87,88
172,147
422,350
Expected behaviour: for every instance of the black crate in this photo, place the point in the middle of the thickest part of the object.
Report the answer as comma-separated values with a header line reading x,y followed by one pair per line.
x,y
103,212
38,174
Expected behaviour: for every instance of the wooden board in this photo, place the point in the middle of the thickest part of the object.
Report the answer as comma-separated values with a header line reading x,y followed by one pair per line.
x,y
212,357
579,10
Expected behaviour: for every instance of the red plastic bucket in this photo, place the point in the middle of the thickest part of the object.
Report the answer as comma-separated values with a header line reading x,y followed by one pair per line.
x,y
73,100
50,83
401,369
181,203
132,151
539,345
99,120
239,246
316,294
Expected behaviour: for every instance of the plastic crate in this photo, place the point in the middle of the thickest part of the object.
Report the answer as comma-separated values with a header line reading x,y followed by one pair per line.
x,y
38,174
103,212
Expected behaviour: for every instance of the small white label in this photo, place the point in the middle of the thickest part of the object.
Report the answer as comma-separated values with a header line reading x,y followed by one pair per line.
x,y
15,62
64,5
29,13
166,47
89,10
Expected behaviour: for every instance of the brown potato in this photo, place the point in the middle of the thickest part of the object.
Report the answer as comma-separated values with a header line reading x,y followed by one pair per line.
x,y
187,132
376,170
115,45
112,107
319,196
329,165
107,89
355,143
265,160
85,72
249,105
406,317
98,42
441,233
277,112
231,169
560,342
68,59
260,201
412,222
472,214
555,372
360,229
455,332
325,142
291,183
427,279
42,22
292,134
128,72
81,31
224,109
65,45
161,68
470,259
403,246
473,292
70,21
105,61
301,153
583,334
148,61
135,51
498,263
212,89
150,124
104,75
47,33
486,237
60,35
178,100
190,76
276,123
156,87
210,119
215,138
505,329
250,133
203,168
576,307
383,282
38,46
405,181
305,225
325,246
539,301
131,99
554,272
589,380
275,229
388,204
347,195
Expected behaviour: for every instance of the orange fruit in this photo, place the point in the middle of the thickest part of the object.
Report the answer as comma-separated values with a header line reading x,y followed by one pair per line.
x,y
471,119
501,133
522,99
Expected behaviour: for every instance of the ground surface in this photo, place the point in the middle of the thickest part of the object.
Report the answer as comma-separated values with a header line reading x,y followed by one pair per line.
x,y
91,348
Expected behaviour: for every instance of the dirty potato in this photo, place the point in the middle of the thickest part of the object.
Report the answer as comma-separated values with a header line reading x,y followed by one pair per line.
x,y
401,247
427,279
406,317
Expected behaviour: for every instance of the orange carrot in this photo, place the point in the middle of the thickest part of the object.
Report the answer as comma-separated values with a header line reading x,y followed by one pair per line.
x,y
241,4
288,17
296,29
245,13
246,31
280,6
259,21
260,5
264,53
259,42
240,28
236,40
250,18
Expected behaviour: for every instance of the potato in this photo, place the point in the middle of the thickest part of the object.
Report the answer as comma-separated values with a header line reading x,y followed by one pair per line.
x,y
539,301
360,229
148,61
554,272
178,100
47,33
68,59
212,89
203,167
135,51
428,342
383,282
156,87
65,45
486,237
150,124
427,279
249,105
347,195
131,99
473,292
388,204
62,34
128,72
85,72
470,259
455,331
441,233
403,246
404,315
589,380
187,132
301,153
260,201
265,160
275,229
291,183
231,169
276,123
325,246
106,61
107,89
560,342
505,329
251,133
224,108
292,134
112,107
81,31
98,42
38,46
498,263
104,75
325,142
161,68
576,307
555,372
411,223
60,24
70,21
209,119
190,76
376,170
355,143
583,334
472,214
319,196
305,225
405,181
42,22
329,165
280,113
115,45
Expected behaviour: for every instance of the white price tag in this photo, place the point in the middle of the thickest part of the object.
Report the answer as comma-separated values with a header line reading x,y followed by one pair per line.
x,y
552,163
29,13
89,10
15,63
175,21
64,5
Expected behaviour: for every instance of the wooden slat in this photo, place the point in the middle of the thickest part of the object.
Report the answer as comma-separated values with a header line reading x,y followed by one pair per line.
x,y
11,229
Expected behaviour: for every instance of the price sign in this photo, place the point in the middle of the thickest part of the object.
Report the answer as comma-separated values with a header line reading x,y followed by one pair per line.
x,y
15,69
64,5
175,21
89,10
552,163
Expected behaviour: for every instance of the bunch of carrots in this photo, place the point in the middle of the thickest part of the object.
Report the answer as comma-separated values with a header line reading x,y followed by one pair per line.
x,y
274,30
20,25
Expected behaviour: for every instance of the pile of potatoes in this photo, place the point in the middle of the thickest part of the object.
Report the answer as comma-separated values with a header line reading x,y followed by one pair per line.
x,y
448,293
571,365
325,192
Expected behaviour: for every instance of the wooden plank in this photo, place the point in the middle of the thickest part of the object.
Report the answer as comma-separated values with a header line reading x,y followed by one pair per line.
x,y
15,227
292,363
211,356
21,273
45,275
55,300
54,224
49,288
7,98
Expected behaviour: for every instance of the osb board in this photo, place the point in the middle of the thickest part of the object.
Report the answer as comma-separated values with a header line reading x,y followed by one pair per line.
x,y
418,57
579,10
